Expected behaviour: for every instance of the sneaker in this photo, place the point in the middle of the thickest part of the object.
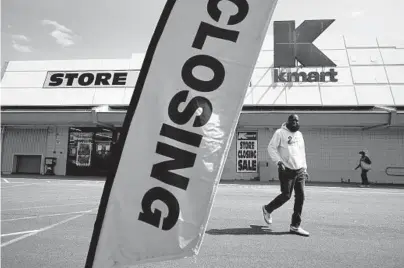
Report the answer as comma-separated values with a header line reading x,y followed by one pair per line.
x,y
267,215
299,231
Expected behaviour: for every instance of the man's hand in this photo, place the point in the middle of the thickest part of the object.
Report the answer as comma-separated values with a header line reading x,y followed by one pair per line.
x,y
307,174
281,166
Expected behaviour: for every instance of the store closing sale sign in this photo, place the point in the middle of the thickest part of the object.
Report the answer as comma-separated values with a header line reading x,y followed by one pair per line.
x,y
182,118
247,151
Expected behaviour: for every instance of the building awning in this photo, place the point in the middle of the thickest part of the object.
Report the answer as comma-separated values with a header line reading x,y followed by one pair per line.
x,y
330,119
115,118
63,118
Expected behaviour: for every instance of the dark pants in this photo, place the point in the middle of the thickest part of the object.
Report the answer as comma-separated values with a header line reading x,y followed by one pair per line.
x,y
364,176
290,180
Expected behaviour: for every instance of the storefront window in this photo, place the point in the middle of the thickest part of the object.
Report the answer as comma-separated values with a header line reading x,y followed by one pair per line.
x,y
90,151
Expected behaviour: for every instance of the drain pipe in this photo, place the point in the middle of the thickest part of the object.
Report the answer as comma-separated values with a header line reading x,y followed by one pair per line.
x,y
392,117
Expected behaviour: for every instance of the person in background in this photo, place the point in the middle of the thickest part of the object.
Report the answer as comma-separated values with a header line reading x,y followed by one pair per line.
x,y
287,150
365,165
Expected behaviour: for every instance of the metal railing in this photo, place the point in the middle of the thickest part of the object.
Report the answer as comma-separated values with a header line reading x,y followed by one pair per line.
x,y
400,171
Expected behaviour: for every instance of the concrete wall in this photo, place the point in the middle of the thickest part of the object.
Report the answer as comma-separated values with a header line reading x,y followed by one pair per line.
x,y
332,154
57,146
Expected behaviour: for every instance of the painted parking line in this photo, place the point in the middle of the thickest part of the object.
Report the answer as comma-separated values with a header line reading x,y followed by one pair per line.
x,y
64,205
41,230
19,185
19,233
48,215
52,198
5,180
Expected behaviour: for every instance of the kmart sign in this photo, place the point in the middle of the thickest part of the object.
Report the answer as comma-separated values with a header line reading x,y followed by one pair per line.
x,y
292,45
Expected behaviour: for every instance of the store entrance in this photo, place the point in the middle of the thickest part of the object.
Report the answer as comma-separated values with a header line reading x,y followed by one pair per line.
x,y
90,151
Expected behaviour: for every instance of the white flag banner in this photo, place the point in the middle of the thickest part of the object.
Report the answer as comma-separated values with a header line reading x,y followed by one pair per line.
x,y
178,131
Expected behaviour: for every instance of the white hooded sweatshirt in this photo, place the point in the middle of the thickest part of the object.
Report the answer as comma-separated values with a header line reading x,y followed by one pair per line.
x,y
288,147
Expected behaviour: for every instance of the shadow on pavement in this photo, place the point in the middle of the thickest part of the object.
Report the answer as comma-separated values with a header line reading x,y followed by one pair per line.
x,y
253,230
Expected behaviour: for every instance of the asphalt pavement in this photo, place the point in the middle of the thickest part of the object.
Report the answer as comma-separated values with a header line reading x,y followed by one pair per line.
x,y
48,223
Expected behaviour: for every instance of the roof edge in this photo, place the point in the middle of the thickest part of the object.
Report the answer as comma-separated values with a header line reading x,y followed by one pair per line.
x,y
246,108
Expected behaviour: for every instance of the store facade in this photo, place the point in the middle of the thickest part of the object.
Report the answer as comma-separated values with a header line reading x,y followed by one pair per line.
x,y
89,150
73,110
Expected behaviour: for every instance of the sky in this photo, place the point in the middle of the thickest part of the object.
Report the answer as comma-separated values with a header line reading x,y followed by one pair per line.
x,y
88,29
67,29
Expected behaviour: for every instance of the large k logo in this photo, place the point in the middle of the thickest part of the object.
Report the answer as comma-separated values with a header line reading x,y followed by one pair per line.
x,y
291,44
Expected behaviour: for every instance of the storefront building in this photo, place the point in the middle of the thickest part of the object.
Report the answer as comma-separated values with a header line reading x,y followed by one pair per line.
x,y
73,110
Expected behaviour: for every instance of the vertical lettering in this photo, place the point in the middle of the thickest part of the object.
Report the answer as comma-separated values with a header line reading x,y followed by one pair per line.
x,y
201,85
206,30
215,12
181,159
154,218
181,135
183,117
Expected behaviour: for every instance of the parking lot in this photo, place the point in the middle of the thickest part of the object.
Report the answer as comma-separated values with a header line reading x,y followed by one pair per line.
x,y
48,223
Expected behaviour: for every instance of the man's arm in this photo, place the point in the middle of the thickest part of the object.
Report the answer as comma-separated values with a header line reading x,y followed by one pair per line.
x,y
303,148
273,148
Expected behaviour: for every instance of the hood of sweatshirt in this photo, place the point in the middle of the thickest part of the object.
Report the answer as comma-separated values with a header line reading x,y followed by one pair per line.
x,y
284,127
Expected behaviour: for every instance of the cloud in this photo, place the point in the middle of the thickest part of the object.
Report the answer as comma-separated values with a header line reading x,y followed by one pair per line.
x,y
20,37
16,39
21,48
62,34
355,14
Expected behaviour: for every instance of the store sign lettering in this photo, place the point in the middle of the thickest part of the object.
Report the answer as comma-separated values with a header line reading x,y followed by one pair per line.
x,y
296,44
87,79
281,76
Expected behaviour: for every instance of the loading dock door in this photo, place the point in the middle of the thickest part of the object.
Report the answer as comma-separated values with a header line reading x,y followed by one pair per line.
x,y
28,164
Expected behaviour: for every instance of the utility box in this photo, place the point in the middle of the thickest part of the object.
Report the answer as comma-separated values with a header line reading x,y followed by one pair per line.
x,y
50,163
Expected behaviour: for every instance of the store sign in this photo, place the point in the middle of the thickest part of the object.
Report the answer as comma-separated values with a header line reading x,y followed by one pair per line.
x,y
247,152
178,131
296,44
91,79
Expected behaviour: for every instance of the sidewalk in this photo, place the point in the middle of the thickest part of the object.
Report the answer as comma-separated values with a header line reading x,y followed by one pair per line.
x,y
235,182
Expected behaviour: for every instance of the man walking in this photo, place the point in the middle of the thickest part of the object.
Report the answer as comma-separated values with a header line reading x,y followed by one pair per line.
x,y
287,150
365,165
